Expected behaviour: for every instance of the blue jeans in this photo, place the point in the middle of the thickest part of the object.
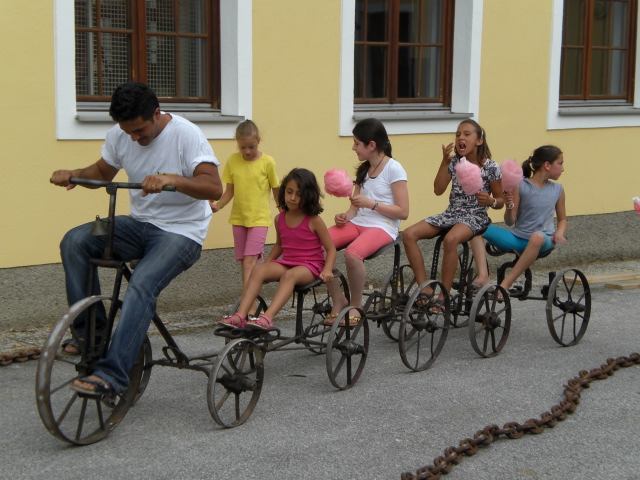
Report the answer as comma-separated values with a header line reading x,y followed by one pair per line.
x,y
507,241
164,256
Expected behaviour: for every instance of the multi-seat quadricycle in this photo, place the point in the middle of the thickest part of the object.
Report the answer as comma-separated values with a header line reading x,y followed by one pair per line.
x,y
235,373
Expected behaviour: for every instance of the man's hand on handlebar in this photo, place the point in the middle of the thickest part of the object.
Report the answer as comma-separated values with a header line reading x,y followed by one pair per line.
x,y
61,178
155,183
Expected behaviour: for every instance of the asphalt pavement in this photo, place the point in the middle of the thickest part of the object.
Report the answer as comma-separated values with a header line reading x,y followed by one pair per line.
x,y
391,422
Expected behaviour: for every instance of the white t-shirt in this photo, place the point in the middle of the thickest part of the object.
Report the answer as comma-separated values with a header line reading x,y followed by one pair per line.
x,y
379,190
178,150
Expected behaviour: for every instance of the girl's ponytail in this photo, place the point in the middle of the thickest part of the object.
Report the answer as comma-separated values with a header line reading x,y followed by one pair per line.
x,y
527,170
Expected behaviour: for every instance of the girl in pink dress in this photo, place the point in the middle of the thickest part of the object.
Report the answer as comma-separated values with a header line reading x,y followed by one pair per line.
x,y
298,256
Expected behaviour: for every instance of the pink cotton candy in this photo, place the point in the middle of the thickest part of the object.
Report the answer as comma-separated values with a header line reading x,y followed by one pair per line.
x,y
636,204
338,183
469,176
511,174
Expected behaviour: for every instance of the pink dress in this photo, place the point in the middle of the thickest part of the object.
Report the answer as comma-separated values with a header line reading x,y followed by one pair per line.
x,y
300,246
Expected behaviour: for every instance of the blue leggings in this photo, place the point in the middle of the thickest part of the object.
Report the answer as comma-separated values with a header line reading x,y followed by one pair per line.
x,y
507,241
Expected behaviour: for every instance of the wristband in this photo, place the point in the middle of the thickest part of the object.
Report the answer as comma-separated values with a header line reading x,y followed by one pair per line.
x,y
495,203
375,205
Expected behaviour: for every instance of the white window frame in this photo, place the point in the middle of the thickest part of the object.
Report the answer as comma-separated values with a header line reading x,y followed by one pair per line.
x,y
407,119
592,114
235,83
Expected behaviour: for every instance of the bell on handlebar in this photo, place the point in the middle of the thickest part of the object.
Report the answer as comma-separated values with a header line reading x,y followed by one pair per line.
x,y
98,227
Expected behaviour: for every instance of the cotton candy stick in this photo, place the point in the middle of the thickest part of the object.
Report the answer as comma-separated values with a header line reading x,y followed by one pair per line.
x,y
636,204
511,174
469,176
338,183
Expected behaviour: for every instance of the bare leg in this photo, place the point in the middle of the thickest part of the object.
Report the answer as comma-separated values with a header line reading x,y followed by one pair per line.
x,y
338,300
356,273
527,258
293,276
247,264
265,272
410,238
458,234
480,256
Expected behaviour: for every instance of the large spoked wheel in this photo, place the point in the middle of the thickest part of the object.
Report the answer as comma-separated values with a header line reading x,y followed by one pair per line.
x,y
72,417
424,326
317,305
235,383
395,302
347,348
490,320
568,307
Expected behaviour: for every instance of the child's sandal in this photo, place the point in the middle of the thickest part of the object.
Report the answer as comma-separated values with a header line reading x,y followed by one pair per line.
x,y
235,321
261,322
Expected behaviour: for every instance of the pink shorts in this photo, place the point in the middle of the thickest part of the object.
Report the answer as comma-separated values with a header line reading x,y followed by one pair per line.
x,y
362,241
249,241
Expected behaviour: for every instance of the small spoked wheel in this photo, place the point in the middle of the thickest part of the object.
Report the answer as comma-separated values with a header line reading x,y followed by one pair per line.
x,y
70,416
568,306
395,300
347,348
490,320
424,326
317,307
235,382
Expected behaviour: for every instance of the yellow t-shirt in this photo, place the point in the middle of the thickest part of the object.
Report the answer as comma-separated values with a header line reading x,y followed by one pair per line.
x,y
252,183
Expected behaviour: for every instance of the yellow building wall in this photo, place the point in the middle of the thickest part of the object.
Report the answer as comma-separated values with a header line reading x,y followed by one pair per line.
x,y
296,68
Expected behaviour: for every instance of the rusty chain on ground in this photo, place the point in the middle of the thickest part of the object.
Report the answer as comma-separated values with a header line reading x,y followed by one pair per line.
x,y
23,355
572,391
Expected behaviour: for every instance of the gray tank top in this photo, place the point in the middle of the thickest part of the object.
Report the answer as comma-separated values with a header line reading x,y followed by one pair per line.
x,y
536,209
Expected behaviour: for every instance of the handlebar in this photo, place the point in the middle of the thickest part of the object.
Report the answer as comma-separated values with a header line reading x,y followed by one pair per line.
x,y
103,183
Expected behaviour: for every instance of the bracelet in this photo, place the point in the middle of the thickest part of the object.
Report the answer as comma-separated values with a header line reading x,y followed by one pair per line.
x,y
375,205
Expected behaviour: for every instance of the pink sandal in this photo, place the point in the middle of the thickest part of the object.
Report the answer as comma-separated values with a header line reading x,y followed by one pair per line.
x,y
236,320
261,322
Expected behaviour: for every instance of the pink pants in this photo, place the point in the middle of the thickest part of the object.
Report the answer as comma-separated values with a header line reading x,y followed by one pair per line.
x,y
249,241
362,241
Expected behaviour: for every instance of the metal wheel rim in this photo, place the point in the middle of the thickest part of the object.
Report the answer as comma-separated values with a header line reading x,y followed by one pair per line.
x,y
556,323
242,360
486,339
57,403
345,344
416,334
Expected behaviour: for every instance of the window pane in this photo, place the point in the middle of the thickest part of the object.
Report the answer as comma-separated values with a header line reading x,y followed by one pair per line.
x,y
192,69
192,17
358,72
619,15
571,72
85,13
376,73
618,78
432,17
408,72
161,65
377,18
115,14
160,16
430,76
361,7
574,16
86,64
116,51
409,28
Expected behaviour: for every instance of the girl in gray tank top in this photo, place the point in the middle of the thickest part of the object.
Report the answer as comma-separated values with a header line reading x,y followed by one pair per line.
x,y
530,210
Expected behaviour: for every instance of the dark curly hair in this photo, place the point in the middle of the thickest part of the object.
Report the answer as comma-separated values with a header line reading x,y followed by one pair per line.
x,y
132,100
310,193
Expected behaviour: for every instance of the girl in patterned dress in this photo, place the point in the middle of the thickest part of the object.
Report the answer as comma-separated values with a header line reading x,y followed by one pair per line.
x,y
298,256
466,215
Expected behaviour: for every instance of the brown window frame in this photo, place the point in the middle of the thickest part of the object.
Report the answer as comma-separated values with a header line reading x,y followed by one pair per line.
x,y
393,44
137,61
585,50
